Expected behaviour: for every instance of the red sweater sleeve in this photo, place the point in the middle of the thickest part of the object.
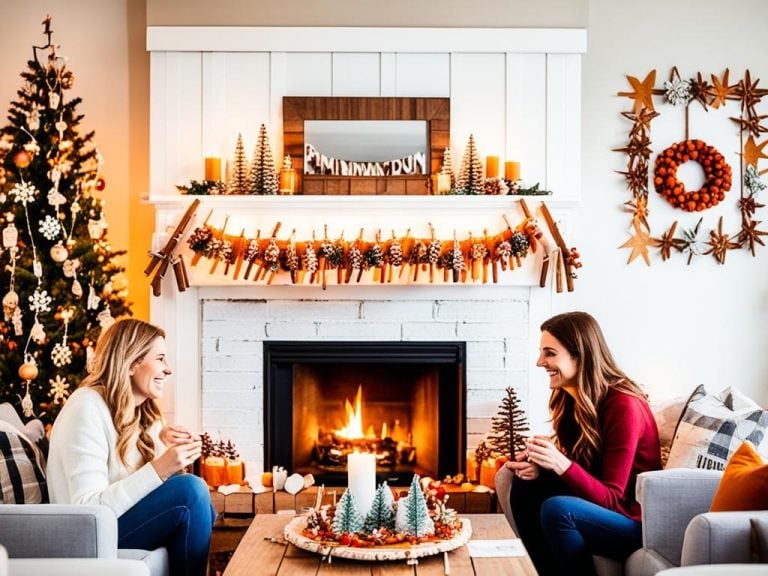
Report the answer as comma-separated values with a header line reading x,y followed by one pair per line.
x,y
630,446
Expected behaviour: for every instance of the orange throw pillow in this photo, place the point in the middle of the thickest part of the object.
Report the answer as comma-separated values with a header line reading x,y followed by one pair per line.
x,y
744,485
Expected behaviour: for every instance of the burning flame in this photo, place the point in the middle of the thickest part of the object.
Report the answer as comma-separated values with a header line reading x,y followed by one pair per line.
x,y
354,428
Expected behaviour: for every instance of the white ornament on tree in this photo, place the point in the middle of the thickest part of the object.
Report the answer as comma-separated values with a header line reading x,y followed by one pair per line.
x,y
59,252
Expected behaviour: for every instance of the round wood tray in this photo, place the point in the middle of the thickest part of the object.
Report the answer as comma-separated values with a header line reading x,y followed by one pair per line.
x,y
293,534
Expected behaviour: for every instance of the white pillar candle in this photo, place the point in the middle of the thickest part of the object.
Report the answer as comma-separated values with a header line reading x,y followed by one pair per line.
x,y
361,480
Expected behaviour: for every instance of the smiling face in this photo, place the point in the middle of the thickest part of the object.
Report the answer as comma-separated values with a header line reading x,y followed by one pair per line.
x,y
558,362
148,374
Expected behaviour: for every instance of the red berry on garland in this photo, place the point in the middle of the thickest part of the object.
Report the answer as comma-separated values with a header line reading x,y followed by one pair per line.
x,y
22,159
100,184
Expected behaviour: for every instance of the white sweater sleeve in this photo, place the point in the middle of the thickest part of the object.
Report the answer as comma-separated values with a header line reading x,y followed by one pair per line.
x,y
83,445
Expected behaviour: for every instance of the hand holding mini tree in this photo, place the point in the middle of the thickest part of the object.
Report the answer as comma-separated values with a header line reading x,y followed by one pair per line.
x,y
508,426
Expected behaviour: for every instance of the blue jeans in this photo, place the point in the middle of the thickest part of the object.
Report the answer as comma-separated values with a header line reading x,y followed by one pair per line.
x,y
178,515
561,532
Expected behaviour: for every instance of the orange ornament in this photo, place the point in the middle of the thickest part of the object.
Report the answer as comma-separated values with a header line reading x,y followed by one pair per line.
x,y
717,175
22,159
28,371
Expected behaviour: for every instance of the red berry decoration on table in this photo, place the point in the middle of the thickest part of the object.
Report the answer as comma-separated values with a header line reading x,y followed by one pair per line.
x,y
717,175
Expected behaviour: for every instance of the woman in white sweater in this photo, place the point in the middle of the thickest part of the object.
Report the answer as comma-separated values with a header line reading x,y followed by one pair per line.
x,y
109,446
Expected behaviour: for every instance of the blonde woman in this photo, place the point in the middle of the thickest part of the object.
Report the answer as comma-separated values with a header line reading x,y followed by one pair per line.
x,y
574,493
109,446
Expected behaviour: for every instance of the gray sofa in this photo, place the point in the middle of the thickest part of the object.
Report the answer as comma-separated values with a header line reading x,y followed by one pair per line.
x,y
37,531
678,529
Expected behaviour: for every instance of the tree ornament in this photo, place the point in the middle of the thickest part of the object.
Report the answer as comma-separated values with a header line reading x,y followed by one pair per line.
x,y
93,298
37,269
56,198
508,426
105,318
33,118
347,519
40,301
10,304
503,252
50,227
10,234
94,229
412,512
37,333
28,371
77,288
27,407
22,159
61,355
24,193
90,355
16,321
59,252
59,389
519,244
54,100
309,259
238,179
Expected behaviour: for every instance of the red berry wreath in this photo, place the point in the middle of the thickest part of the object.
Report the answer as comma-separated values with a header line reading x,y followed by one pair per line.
x,y
717,175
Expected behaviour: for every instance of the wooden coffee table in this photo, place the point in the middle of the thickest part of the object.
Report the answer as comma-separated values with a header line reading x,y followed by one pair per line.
x,y
258,555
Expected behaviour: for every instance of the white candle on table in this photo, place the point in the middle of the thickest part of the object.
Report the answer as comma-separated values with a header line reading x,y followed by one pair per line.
x,y
361,480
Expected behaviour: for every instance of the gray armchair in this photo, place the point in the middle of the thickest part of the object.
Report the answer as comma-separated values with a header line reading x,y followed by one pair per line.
x,y
37,531
678,529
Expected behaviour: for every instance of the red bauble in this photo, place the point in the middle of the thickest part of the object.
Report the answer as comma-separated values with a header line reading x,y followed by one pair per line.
x,y
100,184
22,159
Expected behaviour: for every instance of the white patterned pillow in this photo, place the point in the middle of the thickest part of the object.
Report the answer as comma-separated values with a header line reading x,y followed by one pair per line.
x,y
709,431
22,468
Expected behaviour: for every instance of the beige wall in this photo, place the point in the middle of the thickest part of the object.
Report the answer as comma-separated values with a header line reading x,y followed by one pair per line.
x,y
105,44
490,13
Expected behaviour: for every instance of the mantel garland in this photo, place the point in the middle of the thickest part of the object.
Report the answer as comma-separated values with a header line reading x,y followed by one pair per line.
x,y
683,92
308,261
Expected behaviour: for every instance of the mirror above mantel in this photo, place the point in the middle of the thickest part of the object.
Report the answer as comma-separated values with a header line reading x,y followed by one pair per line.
x,y
402,170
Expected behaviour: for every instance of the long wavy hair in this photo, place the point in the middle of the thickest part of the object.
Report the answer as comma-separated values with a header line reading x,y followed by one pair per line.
x,y
119,348
575,418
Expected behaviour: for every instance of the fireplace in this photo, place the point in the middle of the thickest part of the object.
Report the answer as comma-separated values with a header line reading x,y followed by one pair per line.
x,y
407,399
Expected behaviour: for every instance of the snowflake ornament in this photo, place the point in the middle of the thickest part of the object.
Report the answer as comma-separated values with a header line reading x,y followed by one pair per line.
x,y
50,227
23,192
59,389
61,355
40,301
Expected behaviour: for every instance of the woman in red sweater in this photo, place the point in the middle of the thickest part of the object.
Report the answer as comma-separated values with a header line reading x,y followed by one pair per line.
x,y
574,493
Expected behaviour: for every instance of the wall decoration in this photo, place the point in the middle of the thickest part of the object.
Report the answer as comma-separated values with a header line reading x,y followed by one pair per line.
x,y
679,91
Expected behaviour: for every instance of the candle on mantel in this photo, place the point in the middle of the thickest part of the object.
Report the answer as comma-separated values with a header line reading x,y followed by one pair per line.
x,y
213,168
361,479
491,166
443,183
512,171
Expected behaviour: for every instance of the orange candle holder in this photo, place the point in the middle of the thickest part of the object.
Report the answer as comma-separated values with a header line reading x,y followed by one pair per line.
x,y
512,171
235,472
491,166
215,471
213,169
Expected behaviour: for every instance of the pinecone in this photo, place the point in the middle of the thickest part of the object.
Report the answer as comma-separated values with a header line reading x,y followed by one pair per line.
x,y
503,250
213,248
478,251
252,252
199,239
207,444
231,451
419,253
446,260
395,253
457,258
272,254
495,187
291,258
433,251
310,259
224,251
519,244
334,253
374,256
355,257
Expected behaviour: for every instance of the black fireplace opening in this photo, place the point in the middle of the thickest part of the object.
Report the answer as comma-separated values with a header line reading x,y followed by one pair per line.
x,y
404,401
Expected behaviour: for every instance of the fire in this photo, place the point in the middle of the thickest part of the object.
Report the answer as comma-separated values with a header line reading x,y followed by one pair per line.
x,y
354,428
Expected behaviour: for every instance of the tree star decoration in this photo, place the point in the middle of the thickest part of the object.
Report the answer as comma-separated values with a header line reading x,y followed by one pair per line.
x,y
749,94
692,242
720,243
643,91
639,209
720,91
750,235
754,151
667,242
700,89
639,244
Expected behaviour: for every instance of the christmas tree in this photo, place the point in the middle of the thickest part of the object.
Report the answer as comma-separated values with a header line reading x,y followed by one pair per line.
x,y
347,518
470,180
508,426
58,266
448,166
382,514
263,177
412,512
238,178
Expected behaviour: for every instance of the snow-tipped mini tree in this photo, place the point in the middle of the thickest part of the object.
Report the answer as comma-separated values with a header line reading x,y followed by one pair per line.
x,y
57,266
412,512
448,166
347,518
508,426
470,180
382,514
238,175
263,176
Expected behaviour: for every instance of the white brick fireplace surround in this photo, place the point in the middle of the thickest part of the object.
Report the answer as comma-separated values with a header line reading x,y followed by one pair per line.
x,y
517,91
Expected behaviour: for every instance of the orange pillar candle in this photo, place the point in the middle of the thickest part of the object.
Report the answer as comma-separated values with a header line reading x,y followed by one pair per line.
x,y
512,171
213,169
491,166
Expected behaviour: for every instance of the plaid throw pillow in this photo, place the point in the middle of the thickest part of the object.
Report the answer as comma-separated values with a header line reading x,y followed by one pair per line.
x,y
22,478
709,432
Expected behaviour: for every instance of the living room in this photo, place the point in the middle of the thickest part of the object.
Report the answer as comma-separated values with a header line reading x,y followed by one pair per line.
x,y
672,325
